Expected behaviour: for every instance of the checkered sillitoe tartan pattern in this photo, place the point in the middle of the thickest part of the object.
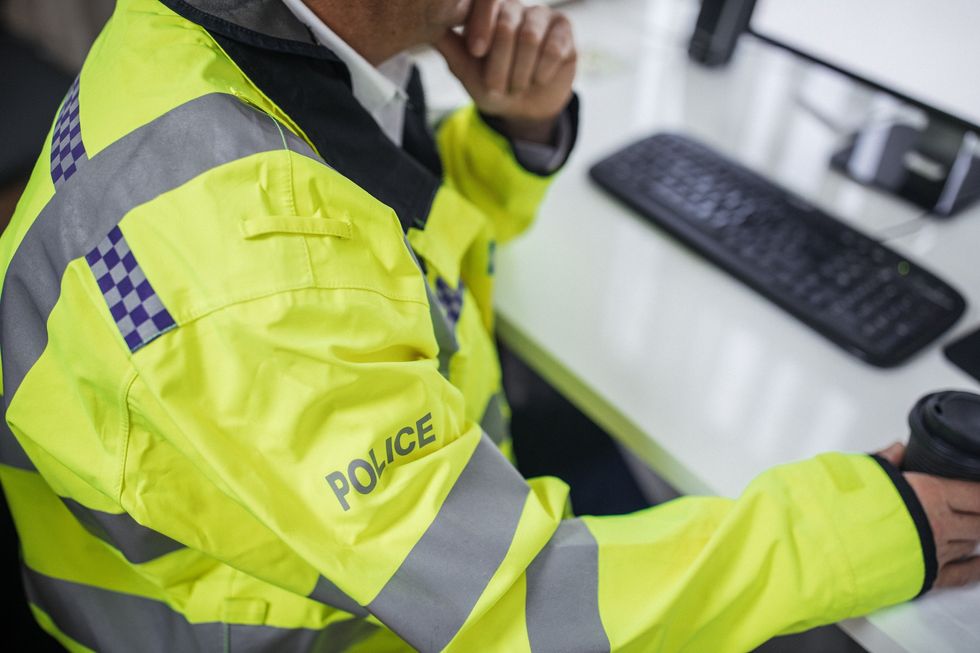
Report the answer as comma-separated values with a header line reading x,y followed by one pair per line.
x,y
451,300
133,303
67,150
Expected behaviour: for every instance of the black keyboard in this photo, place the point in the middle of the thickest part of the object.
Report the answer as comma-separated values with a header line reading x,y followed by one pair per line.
x,y
852,289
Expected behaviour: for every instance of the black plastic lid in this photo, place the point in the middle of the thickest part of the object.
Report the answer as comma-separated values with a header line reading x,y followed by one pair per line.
x,y
952,416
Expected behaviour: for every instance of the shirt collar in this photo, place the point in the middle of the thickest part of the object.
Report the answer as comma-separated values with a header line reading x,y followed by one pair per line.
x,y
373,87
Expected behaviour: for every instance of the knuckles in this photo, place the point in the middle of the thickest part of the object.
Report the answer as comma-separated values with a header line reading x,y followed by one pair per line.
x,y
554,50
561,45
530,35
534,28
505,31
509,21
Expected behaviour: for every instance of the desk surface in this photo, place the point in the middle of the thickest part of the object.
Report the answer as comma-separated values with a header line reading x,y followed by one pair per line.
x,y
703,379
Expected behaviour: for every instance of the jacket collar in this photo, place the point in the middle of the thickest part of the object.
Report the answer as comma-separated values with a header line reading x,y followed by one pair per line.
x,y
267,24
313,86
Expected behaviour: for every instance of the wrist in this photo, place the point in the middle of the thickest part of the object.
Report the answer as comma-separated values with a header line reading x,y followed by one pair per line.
x,y
528,130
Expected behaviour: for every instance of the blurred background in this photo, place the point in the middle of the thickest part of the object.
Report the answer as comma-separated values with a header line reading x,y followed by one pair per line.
x,y
42,46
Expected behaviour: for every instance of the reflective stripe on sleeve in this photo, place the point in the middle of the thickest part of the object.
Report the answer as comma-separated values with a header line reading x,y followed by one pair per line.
x,y
11,453
160,156
562,604
136,542
112,622
329,594
494,423
433,592
132,301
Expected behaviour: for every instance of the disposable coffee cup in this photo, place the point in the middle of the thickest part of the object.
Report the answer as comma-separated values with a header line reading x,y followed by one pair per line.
x,y
945,436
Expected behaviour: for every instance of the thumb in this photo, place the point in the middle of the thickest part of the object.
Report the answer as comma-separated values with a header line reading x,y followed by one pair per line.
x,y
894,454
462,64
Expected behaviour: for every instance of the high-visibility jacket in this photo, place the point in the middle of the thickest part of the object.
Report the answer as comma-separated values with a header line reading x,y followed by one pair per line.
x,y
254,405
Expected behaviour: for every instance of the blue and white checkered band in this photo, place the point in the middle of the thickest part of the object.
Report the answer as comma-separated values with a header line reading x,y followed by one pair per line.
x,y
450,299
135,306
67,150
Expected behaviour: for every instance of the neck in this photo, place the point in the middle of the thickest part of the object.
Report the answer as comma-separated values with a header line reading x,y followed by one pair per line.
x,y
361,24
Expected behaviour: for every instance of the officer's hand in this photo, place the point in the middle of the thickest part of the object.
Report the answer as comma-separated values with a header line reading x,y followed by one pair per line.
x,y
518,64
953,509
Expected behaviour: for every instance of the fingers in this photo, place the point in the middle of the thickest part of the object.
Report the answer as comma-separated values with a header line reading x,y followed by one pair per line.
x,y
530,47
963,526
525,58
960,550
461,63
894,454
557,52
955,495
958,574
496,74
480,25
530,37
963,496
956,531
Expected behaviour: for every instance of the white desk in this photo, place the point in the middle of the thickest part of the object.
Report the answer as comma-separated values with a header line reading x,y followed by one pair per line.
x,y
706,381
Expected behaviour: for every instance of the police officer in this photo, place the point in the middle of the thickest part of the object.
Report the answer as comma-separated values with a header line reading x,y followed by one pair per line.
x,y
250,383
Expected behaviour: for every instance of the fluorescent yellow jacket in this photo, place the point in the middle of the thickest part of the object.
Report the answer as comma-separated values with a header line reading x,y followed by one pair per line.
x,y
254,404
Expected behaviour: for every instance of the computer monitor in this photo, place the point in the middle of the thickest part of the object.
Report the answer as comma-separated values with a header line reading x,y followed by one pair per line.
x,y
924,52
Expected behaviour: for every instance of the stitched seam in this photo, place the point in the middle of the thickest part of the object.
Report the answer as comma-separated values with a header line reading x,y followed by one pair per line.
x,y
309,261
290,192
293,127
125,431
291,197
282,291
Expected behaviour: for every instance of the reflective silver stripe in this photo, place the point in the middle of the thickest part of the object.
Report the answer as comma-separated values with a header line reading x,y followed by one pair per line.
x,y
158,157
562,607
135,541
432,593
112,622
338,637
329,594
494,423
11,453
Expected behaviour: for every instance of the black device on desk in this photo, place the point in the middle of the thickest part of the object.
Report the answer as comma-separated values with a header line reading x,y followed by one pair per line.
x,y
925,146
716,33
850,288
965,353
923,142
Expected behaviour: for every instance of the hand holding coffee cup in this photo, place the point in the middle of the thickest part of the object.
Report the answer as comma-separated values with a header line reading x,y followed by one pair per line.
x,y
942,465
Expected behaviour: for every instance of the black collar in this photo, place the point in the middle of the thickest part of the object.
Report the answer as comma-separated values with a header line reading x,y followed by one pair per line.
x,y
312,85
263,23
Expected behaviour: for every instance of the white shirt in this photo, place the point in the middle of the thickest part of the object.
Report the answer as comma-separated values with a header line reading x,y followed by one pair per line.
x,y
382,92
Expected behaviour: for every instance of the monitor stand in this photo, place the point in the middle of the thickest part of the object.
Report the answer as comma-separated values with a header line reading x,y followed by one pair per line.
x,y
935,165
